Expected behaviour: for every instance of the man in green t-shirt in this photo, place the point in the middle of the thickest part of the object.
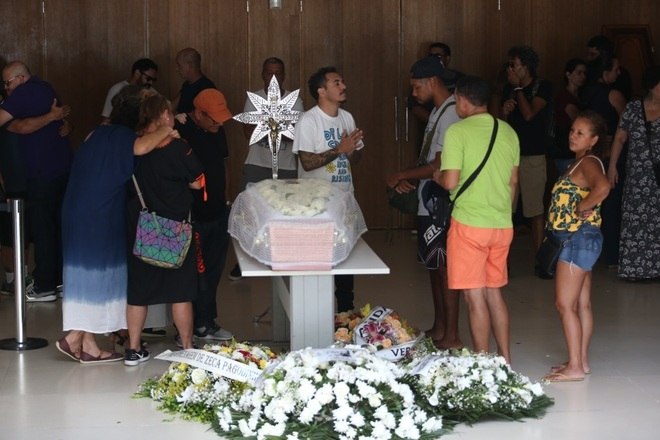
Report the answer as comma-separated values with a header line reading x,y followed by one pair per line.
x,y
481,228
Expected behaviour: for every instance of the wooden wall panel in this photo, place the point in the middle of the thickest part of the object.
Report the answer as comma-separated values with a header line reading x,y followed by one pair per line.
x,y
274,33
218,30
87,53
21,34
371,71
321,37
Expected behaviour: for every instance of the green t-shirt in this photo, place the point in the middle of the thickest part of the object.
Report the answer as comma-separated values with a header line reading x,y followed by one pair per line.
x,y
487,201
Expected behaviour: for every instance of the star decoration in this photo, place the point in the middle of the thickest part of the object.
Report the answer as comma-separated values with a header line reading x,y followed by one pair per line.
x,y
274,117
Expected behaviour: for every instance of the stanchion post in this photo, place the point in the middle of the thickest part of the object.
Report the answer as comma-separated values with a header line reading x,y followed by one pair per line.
x,y
21,342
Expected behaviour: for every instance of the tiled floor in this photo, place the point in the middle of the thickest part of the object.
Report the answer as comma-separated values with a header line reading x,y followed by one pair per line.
x,y
44,395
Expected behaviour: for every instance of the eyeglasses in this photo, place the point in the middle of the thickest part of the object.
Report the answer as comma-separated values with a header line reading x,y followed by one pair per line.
x,y
149,77
9,81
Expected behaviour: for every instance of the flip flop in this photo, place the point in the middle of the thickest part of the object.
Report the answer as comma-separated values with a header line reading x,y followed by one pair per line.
x,y
64,348
561,377
556,368
86,358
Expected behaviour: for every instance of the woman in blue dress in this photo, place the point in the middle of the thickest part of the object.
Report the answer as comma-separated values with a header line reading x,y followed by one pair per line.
x,y
94,230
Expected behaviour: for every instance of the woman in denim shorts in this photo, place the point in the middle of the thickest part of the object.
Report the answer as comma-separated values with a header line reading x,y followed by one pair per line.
x,y
574,217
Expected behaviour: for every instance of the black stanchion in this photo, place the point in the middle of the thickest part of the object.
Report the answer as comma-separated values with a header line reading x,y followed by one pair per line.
x,y
20,342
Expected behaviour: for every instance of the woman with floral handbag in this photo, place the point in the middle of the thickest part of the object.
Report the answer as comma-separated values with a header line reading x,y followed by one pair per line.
x,y
164,177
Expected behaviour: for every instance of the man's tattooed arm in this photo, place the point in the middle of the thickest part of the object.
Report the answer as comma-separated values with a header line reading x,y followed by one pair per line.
x,y
311,161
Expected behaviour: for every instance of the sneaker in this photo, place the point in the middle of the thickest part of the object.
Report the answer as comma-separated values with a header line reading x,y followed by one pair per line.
x,y
8,288
132,357
235,273
215,333
34,294
153,332
177,341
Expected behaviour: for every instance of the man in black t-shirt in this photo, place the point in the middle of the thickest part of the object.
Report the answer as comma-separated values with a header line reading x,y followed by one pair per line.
x,y
188,64
526,108
204,132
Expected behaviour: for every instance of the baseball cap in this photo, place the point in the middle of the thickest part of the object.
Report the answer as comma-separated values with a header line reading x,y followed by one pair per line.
x,y
214,104
432,66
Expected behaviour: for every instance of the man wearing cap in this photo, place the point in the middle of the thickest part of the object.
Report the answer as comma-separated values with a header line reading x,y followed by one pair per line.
x,y
326,141
204,133
481,227
427,79
144,73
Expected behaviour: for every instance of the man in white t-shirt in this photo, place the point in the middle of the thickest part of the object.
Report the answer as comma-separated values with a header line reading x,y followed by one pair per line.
x,y
427,79
143,73
326,142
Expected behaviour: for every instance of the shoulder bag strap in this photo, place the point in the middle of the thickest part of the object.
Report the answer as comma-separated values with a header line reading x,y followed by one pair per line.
x,y
476,172
429,138
139,193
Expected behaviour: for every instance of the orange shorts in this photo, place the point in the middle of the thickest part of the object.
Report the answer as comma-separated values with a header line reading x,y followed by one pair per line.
x,y
476,257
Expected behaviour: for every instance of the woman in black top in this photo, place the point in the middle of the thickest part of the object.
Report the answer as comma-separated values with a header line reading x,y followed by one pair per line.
x,y
165,176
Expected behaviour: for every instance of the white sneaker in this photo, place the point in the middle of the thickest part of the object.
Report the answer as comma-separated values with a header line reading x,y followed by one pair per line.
x,y
215,333
32,295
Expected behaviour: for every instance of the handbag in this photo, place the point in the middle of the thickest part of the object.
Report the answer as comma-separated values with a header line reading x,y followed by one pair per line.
x,y
408,202
548,255
160,241
440,206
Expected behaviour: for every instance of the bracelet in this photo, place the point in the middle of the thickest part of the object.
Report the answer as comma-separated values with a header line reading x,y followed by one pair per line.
x,y
517,89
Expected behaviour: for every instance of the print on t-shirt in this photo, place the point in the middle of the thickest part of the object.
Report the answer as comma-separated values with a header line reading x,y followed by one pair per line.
x,y
339,168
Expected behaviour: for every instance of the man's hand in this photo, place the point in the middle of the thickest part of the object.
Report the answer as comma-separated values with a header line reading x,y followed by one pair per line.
x,y
393,179
350,142
66,128
181,118
508,107
59,112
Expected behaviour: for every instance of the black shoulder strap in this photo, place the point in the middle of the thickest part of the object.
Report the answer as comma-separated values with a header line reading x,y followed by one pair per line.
x,y
476,172
429,139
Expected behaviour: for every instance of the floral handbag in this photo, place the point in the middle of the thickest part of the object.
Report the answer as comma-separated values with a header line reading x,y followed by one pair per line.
x,y
161,241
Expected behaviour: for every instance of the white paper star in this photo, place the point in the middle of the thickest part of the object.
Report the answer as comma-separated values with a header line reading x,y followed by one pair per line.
x,y
273,117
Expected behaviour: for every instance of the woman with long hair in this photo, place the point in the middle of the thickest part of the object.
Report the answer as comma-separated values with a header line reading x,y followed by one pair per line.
x,y
567,106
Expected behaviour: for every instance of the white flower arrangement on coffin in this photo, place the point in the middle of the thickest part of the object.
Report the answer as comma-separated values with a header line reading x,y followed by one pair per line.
x,y
335,393
466,387
195,392
301,198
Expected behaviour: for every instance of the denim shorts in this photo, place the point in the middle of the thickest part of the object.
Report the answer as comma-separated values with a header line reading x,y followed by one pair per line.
x,y
583,247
